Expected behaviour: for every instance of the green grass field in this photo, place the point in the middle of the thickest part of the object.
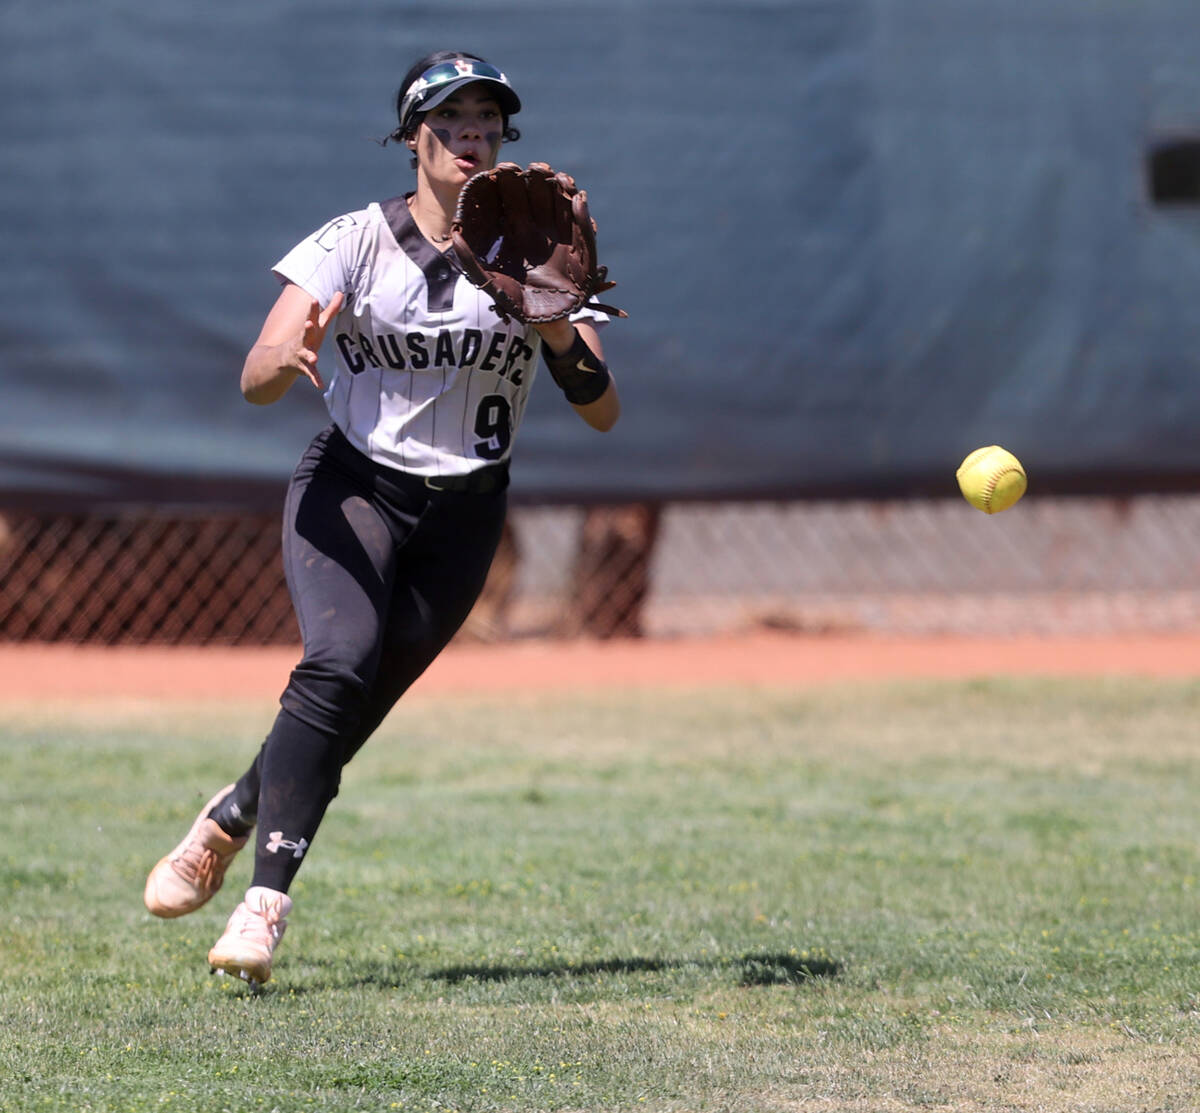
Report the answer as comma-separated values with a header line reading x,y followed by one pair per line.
x,y
975,896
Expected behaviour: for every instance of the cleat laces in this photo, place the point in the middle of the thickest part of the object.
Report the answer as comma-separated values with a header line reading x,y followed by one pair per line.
x,y
197,865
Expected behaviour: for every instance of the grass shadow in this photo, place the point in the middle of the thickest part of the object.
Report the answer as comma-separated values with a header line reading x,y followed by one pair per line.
x,y
786,969
753,969
565,969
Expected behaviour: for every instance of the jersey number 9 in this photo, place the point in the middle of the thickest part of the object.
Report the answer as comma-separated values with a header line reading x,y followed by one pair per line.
x,y
493,425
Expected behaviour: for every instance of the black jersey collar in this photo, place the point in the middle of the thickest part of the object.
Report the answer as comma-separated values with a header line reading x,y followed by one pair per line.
x,y
439,268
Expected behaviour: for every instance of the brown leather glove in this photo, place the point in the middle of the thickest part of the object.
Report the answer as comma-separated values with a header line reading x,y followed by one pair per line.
x,y
525,237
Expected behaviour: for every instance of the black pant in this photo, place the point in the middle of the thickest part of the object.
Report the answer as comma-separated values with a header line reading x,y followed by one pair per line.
x,y
383,570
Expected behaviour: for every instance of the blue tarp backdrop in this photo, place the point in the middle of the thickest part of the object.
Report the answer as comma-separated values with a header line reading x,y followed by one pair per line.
x,y
855,238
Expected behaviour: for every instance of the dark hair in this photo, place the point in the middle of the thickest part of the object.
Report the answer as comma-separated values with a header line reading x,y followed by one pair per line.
x,y
510,134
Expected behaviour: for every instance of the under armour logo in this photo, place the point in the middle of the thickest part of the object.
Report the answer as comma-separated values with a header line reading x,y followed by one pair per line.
x,y
277,842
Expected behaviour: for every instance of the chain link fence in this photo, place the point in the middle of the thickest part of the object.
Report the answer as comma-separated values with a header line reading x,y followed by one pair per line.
x,y
920,567
142,579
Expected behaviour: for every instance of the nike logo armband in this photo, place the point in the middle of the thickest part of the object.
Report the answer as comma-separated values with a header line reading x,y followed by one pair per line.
x,y
579,374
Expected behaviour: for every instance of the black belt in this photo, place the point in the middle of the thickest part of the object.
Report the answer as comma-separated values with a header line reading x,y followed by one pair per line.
x,y
481,481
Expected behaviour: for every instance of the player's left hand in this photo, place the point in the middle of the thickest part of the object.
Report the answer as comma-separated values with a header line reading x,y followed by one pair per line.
x,y
545,266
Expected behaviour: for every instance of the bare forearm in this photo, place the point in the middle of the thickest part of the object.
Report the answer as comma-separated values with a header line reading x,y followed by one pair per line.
x,y
602,414
268,374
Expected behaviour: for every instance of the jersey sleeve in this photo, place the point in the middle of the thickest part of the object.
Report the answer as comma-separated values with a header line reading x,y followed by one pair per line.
x,y
325,262
593,317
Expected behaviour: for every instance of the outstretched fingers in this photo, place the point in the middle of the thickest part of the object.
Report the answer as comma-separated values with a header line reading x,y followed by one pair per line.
x,y
330,311
318,319
306,361
316,323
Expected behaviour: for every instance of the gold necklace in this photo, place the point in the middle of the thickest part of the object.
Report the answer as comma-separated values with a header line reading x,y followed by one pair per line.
x,y
412,208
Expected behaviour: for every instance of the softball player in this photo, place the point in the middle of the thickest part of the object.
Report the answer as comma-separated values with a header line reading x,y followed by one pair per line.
x,y
394,512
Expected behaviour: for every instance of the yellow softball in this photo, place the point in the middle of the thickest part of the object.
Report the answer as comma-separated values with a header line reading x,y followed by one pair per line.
x,y
991,479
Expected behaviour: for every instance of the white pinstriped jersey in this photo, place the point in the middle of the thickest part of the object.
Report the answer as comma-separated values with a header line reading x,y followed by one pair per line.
x,y
426,377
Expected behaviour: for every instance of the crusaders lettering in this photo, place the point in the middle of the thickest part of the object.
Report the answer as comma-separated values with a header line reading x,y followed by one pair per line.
x,y
506,355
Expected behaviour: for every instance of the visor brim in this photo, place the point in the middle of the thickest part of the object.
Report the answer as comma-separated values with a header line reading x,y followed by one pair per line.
x,y
510,103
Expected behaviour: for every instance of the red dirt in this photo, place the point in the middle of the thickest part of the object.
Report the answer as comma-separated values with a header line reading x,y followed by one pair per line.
x,y
52,671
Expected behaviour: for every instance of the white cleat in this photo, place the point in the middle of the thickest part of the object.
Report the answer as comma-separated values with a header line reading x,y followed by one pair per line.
x,y
188,877
254,930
